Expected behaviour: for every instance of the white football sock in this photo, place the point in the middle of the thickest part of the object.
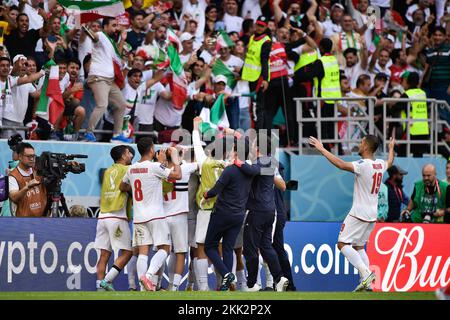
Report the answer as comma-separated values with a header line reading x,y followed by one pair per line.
x,y
355,259
269,278
141,265
191,277
171,266
241,280
131,269
112,274
176,281
156,263
97,284
364,257
201,273
258,278
362,253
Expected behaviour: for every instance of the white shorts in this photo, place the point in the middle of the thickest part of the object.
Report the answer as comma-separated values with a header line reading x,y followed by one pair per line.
x,y
113,234
203,217
355,232
191,231
155,232
178,226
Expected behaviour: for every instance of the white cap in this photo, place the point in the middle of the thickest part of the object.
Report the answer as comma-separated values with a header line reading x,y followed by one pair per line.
x,y
220,78
19,56
337,5
186,36
390,37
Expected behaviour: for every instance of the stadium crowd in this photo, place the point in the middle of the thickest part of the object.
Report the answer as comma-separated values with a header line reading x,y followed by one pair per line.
x,y
383,48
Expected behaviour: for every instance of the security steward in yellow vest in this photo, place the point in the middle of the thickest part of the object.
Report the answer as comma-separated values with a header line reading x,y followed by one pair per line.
x,y
304,88
256,68
325,72
418,130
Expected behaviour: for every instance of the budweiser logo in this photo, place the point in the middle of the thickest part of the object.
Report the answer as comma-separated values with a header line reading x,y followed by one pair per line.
x,y
405,259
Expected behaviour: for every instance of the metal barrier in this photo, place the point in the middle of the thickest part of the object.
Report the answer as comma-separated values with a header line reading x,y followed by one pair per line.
x,y
140,133
367,116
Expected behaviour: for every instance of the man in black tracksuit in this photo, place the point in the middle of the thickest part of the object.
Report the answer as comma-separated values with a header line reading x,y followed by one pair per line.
x,y
227,217
259,223
278,236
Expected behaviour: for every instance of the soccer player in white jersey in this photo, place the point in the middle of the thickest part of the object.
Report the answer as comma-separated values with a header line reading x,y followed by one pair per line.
x,y
360,221
144,179
176,208
113,231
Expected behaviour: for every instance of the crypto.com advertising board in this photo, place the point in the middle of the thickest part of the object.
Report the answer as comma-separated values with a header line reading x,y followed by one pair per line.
x,y
44,254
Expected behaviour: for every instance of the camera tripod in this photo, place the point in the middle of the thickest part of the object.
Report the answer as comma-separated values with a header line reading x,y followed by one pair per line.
x,y
54,197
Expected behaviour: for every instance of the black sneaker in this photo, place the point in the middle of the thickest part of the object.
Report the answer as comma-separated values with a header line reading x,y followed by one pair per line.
x,y
267,289
226,281
291,288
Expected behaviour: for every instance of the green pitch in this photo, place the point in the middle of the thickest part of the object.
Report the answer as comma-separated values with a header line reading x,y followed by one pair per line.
x,y
214,295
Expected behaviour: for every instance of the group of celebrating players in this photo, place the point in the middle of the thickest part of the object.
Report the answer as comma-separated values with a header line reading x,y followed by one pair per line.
x,y
226,212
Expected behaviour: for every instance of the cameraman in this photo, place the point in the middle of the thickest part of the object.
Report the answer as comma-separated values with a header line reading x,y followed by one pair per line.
x,y
428,201
28,196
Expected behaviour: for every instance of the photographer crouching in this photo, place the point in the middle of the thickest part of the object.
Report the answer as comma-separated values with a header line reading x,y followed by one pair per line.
x,y
27,194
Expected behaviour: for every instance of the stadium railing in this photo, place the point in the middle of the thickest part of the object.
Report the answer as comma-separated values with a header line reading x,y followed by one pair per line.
x,y
365,122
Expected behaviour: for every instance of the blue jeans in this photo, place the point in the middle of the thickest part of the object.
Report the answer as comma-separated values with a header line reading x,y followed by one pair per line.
x,y
232,108
244,119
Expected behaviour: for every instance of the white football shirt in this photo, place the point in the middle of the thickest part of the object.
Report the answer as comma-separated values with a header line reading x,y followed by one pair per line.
x,y
145,179
177,201
368,177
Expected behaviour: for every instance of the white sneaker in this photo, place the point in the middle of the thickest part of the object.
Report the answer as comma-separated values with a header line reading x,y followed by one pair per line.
x,y
255,288
365,283
282,284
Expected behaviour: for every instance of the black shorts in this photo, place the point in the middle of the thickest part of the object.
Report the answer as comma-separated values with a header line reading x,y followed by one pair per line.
x,y
69,108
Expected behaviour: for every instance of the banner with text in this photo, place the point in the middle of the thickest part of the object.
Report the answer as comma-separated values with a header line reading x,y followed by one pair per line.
x,y
44,254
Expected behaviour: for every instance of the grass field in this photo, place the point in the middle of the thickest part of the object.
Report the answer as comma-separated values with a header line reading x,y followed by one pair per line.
x,y
213,295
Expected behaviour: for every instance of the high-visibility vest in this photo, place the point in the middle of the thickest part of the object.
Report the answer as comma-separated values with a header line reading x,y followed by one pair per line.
x,y
306,58
418,111
252,64
278,61
330,86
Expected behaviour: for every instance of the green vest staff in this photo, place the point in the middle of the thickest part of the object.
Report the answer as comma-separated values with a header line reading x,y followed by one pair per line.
x,y
419,204
418,111
330,86
306,58
252,65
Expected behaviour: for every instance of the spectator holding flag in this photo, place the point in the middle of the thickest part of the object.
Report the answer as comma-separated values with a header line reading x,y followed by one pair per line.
x,y
105,79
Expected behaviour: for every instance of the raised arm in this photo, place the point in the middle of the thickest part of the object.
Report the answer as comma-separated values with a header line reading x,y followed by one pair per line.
x,y
277,12
336,161
390,159
199,153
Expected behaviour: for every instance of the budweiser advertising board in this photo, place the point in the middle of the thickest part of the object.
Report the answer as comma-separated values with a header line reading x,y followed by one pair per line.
x,y
409,256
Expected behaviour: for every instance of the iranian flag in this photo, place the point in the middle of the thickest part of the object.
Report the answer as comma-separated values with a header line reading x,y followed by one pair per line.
x,y
223,41
119,78
51,103
214,118
219,68
177,80
173,38
93,10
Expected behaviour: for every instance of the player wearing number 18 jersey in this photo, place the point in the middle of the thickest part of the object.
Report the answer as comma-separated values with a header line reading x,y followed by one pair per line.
x,y
360,221
144,179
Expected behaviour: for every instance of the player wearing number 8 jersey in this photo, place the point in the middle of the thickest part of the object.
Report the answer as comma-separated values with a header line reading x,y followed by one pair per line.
x,y
360,221
144,179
